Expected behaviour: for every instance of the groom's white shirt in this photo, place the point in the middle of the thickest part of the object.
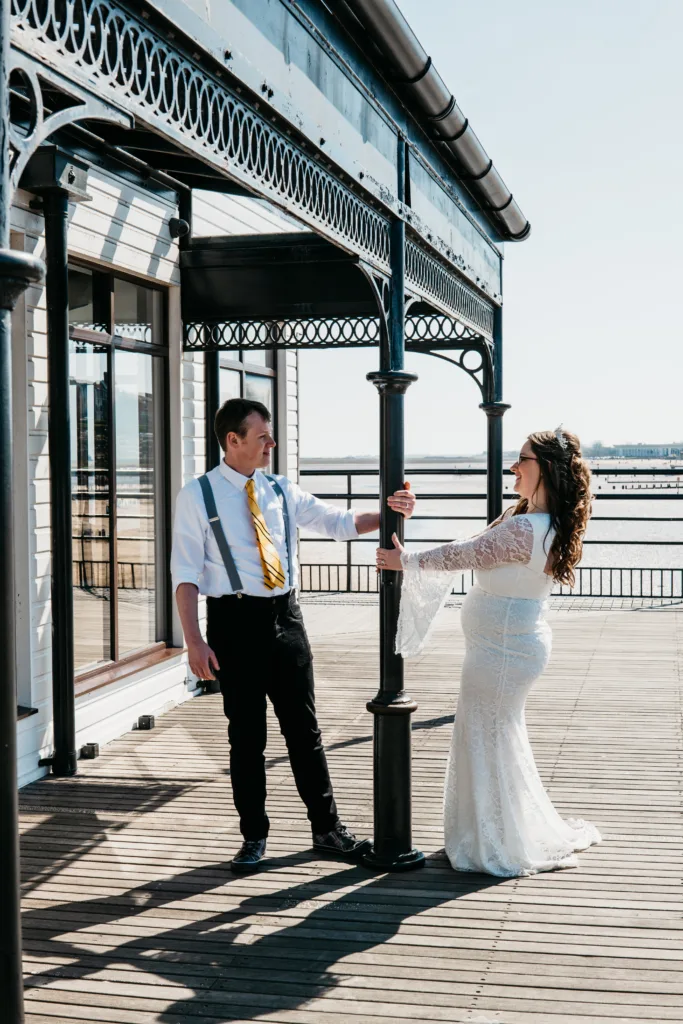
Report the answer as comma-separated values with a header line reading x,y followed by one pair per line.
x,y
196,558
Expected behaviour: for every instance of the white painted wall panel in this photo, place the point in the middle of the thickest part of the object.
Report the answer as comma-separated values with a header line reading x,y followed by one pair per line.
x,y
105,714
126,228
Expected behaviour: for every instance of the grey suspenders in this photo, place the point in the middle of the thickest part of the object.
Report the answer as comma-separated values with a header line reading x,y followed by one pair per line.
x,y
221,539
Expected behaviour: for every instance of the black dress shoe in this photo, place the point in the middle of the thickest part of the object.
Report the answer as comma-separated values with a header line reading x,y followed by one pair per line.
x,y
251,852
341,842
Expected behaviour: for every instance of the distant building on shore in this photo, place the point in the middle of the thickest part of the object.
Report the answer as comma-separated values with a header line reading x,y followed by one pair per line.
x,y
636,451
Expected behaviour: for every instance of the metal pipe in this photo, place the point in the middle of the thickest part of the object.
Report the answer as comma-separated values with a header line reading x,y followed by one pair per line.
x,y
495,409
17,272
212,394
385,24
56,209
212,366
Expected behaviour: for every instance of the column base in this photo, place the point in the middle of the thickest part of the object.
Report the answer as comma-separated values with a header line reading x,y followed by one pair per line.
x,y
61,766
403,862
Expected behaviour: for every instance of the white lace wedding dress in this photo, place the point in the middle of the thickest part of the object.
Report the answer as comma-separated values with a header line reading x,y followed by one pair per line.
x,y
498,817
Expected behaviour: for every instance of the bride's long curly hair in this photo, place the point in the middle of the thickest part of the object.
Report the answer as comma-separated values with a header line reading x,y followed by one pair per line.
x,y
567,480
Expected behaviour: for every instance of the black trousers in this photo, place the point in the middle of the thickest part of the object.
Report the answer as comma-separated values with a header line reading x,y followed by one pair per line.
x,y
263,651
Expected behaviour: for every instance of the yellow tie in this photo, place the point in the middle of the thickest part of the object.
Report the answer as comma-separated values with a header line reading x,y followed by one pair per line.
x,y
273,574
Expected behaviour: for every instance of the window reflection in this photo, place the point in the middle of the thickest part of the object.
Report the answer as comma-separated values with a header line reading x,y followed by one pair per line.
x,y
89,398
135,506
136,311
259,389
258,356
82,305
229,384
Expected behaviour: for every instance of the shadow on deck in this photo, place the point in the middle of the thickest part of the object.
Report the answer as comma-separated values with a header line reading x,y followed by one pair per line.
x,y
132,914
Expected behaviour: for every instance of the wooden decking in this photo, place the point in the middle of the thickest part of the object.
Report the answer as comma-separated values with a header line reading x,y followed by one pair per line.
x,y
132,915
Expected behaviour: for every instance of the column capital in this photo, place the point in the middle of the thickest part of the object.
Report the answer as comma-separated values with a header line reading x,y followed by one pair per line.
x,y
392,703
391,382
494,409
18,270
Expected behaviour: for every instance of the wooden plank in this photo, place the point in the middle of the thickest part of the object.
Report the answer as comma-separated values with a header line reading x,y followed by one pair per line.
x,y
131,914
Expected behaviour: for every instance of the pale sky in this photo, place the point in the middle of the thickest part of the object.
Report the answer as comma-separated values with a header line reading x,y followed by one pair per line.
x,y
579,105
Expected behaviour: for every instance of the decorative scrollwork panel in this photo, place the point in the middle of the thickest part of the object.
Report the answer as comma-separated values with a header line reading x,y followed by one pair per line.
x,y
347,332
155,80
116,56
436,282
424,333
434,330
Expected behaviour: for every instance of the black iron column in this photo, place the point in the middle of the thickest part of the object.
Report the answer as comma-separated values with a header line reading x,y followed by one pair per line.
x,y
494,457
17,272
495,409
56,208
392,707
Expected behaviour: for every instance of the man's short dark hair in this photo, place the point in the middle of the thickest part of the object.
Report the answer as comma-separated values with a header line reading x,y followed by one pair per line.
x,y
232,415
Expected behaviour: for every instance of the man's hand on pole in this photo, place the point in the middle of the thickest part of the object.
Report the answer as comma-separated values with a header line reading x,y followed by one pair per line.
x,y
403,501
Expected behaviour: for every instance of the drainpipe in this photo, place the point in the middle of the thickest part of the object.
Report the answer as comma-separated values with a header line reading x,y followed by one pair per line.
x,y
58,178
17,272
64,757
414,71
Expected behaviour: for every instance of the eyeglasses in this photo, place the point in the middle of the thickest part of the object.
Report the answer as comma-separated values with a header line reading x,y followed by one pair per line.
x,y
527,458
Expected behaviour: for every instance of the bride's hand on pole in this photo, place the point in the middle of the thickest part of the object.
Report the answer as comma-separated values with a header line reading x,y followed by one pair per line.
x,y
390,558
403,501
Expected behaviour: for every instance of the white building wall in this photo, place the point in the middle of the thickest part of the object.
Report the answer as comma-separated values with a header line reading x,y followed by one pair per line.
x,y
124,228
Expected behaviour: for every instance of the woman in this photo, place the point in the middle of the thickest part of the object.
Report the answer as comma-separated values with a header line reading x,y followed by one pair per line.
x,y
498,816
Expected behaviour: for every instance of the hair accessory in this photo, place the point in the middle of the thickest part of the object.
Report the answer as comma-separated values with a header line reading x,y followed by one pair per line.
x,y
560,436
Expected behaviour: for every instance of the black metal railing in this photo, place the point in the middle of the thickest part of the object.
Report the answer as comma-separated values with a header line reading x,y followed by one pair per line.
x,y
94,575
349,576
636,582
352,576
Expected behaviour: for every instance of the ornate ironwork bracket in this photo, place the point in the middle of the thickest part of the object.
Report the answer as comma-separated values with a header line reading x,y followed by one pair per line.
x,y
46,101
381,289
475,360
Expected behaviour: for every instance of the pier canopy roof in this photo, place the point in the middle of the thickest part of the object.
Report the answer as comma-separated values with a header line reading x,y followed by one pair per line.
x,y
304,104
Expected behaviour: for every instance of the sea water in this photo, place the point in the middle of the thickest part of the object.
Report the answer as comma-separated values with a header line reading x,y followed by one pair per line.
x,y
636,498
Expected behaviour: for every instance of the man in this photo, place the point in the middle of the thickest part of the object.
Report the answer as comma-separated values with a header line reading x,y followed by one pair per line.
x,y
234,540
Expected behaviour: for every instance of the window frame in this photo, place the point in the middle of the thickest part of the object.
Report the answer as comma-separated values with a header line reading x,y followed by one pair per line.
x,y
236,360
104,313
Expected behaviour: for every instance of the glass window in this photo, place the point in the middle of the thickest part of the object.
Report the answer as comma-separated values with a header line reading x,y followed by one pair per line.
x,y
135,505
117,481
229,384
136,311
81,299
259,389
258,356
89,399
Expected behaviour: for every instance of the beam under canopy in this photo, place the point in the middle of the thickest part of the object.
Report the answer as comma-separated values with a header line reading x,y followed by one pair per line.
x,y
271,277
297,290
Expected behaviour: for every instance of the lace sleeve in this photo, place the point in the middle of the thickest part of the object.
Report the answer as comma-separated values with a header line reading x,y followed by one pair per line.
x,y
428,575
505,514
